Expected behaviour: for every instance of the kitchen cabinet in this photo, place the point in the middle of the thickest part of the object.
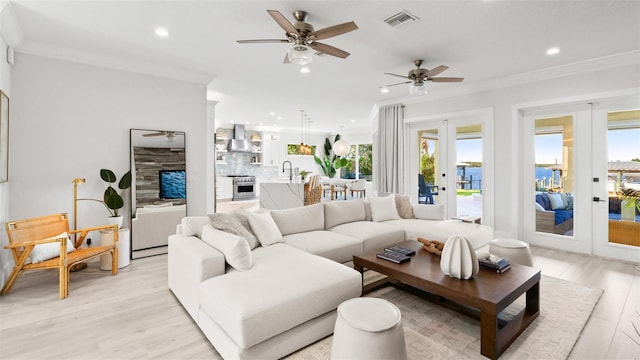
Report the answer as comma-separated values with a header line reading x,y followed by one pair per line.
x,y
224,187
270,152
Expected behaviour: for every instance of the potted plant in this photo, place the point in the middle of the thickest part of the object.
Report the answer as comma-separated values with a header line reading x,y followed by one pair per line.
x,y
112,200
630,204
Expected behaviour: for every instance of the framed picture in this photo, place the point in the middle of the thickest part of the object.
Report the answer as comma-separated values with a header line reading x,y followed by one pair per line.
x,y
4,137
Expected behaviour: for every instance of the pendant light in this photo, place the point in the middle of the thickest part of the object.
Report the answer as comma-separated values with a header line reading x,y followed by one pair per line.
x,y
341,147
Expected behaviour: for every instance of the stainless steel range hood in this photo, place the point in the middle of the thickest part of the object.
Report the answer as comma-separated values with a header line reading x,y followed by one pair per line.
x,y
238,143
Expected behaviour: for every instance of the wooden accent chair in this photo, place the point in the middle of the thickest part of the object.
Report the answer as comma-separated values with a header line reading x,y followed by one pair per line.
x,y
313,190
24,235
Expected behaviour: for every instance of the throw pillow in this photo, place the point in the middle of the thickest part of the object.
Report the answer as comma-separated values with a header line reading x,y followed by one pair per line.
x,y
429,211
251,238
342,212
235,249
556,201
229,223
539,207
403,205
265,228
50,250
192,225
383,208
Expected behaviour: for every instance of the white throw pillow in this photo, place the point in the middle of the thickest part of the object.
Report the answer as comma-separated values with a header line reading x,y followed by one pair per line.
x,y
556,201
50,250
235,249
428,211
265,228
539,207
383,208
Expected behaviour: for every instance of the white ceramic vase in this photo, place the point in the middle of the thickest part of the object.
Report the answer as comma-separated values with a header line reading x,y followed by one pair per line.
x,y
458,258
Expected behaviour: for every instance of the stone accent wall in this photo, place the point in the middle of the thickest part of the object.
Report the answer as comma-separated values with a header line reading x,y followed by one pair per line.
x,y
148,163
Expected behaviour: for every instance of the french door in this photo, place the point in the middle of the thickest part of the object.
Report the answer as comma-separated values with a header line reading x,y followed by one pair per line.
x,y
575,161
455,156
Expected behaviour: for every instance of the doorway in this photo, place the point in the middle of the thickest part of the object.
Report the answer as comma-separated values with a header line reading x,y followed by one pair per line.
x,y
454,158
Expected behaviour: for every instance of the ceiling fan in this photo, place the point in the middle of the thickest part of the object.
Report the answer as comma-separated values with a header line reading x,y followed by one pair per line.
x,y
170,135
303,37
420,76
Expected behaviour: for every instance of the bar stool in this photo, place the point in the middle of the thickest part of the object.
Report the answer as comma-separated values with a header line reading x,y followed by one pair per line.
x,y
368,328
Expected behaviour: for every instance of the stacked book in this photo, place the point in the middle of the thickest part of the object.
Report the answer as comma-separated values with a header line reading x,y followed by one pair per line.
x,y
396,254
495,263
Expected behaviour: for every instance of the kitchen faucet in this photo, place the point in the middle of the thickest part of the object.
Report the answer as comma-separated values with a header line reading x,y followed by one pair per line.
x,y
290,169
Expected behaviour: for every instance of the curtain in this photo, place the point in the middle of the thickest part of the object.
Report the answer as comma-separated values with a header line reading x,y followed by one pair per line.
x,y
389,150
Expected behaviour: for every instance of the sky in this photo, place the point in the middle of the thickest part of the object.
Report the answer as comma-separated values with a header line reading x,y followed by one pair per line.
x,y
624,145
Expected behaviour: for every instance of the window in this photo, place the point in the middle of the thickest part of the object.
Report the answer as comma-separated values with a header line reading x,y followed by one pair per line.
x,y
362,164
295,149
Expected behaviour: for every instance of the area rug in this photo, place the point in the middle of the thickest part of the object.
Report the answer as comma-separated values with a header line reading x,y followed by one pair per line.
x,y
434,332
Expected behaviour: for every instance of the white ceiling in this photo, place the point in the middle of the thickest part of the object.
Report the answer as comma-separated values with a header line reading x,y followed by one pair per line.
x,y
482,41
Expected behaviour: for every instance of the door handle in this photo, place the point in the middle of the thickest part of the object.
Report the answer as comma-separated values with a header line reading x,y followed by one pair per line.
x,y
597,199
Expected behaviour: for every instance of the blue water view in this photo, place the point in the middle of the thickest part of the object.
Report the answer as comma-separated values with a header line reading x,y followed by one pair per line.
x,y
474,176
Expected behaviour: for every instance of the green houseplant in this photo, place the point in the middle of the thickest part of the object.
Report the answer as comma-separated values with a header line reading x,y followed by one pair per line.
x,y
112,200
630,204
330,161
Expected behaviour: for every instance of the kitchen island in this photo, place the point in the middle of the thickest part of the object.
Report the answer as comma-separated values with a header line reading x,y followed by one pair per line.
x,y
281,193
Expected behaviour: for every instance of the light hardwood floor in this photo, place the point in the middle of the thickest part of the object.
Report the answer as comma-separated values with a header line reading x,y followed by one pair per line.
x,y
134,315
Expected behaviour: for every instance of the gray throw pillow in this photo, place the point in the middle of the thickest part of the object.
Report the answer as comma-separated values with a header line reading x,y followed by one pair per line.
x,y
227,222
242,216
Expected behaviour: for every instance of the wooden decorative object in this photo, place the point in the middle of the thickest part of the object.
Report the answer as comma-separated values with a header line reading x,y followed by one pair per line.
x,y
432,246
24,235
458,258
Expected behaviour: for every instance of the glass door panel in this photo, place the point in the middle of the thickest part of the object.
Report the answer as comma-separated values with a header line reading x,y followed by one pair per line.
x,y
623,177
469,170
428,181
554,175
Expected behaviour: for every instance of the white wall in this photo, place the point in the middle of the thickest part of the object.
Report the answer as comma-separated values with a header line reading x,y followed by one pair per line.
x,y
70,120
5,256
506,147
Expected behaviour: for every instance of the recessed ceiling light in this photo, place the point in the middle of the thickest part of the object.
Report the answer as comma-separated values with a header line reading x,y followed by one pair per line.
x,y
553,51
352,120
384,90
272,113
162,32
261,124
279,118
305,70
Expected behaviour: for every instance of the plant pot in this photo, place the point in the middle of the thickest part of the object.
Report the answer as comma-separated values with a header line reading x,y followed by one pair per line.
x,y
628,210
115,220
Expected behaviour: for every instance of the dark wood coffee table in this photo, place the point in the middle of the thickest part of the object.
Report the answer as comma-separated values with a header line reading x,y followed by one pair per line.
x,y
484,296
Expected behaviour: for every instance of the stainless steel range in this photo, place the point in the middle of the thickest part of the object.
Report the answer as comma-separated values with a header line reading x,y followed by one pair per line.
x,y
244,187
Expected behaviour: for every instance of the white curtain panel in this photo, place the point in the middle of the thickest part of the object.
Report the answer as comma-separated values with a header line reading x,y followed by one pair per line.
x,y
389,153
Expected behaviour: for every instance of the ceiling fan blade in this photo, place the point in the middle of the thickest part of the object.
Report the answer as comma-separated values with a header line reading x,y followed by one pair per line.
x,y
402,76
436,70
282,21
154,134
446,79
262,41
332,31
400,83
286,59
328,49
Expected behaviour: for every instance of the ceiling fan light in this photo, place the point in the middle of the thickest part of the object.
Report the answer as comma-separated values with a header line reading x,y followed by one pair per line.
x,y
417,89
299,54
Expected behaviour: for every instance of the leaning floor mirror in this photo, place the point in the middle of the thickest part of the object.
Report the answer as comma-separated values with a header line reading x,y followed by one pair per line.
x,y
159,189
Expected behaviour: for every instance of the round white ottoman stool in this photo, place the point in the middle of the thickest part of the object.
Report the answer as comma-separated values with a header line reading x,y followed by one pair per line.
x,y
516,251
368,328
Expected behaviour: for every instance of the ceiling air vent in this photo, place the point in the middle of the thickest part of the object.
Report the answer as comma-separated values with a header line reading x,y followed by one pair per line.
x,y
400,18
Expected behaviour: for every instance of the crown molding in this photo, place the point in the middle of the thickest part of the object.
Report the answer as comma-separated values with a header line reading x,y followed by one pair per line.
x,y
9,28
580,67
83,57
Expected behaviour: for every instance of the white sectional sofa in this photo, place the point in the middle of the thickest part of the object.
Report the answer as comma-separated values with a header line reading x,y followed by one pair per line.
x,y
280,297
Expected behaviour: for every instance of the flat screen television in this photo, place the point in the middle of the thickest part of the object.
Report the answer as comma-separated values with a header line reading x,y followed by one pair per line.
x,y
173,184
